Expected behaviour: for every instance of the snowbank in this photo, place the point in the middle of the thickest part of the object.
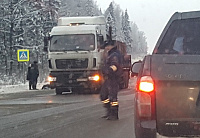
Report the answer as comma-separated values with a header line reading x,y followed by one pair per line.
x,y
17,88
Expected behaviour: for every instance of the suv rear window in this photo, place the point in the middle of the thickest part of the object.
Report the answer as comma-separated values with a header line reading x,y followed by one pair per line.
x,y
182,37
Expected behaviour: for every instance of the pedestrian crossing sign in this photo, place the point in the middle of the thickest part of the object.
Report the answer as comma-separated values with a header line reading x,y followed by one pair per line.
x,y
22,55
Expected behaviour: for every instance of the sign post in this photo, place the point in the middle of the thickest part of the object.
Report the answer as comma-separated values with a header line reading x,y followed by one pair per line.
x,y
23,56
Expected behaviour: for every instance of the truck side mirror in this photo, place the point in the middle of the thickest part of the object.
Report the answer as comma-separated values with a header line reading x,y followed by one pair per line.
x,y
46,43
136,68
100,39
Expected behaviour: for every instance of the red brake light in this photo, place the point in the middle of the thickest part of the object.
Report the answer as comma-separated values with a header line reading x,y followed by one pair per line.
x,y
146,84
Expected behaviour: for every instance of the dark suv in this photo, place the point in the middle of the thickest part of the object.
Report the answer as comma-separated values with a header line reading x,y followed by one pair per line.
x,y
167,99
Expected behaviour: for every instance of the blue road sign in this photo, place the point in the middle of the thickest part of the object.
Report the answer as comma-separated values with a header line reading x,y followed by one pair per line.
x,y
23,55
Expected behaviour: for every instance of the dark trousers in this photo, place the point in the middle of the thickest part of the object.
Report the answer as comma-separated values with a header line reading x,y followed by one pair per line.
x,y
108,96
32,84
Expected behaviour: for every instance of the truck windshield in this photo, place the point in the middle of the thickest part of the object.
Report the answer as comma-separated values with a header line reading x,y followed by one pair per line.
x,y
182,37
73,42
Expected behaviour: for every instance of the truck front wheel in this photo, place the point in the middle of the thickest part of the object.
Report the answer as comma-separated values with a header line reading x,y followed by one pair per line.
x,y
126,79
58,91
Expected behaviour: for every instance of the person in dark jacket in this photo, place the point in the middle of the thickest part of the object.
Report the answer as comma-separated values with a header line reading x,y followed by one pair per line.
x,y
112,71
28,77
35,64
32,75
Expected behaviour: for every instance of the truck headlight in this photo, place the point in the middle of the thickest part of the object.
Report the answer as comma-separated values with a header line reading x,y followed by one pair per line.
x,y
94,78
51,78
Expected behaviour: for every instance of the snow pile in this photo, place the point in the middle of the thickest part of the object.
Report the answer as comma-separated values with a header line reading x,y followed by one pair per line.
x,y
17,88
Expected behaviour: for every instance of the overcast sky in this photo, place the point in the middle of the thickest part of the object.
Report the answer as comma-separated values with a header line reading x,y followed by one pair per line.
x,y
152,15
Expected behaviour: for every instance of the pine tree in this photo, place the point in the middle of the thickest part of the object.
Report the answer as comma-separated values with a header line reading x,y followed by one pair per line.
x,y
3,37
79,8
126,29
143,44
139,44
135,38
23,25
49,12
110,20
89,8
118,23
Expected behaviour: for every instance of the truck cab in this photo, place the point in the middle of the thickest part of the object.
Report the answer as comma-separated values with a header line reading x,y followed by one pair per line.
x,y
74,54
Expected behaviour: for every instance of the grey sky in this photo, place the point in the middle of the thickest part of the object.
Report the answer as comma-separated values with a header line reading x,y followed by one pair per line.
x,y
152,15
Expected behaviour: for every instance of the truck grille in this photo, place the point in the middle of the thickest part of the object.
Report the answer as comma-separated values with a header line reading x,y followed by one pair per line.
x,y
71,63
69,78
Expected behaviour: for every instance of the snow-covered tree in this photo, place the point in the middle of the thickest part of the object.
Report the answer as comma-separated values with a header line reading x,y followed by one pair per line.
x,y
142,43
79,8
118,16
23,25
49,13
126,30
89,8
139,44
135,37
3,41
111,20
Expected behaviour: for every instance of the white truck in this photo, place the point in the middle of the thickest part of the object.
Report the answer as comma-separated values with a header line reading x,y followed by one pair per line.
x,y
74,54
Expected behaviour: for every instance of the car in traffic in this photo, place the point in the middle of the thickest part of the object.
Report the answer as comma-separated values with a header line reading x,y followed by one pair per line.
x,y
167,98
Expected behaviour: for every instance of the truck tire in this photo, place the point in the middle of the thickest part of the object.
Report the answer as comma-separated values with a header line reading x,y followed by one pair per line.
x,y
97,91
122,86
125,80
58,91
92,91
126,84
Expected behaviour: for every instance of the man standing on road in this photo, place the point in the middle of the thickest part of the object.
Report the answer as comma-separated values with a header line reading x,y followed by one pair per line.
x,y
112,71
29,76
32,75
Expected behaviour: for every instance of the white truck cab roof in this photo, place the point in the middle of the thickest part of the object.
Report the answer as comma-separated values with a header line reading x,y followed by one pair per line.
x,y
87,20
82,29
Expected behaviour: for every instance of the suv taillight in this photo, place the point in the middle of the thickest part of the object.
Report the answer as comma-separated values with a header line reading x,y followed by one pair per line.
x,y
146,84
145,87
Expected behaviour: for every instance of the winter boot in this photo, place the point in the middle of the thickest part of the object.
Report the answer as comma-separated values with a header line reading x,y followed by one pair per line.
x,y
113,113
29,87
107,106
